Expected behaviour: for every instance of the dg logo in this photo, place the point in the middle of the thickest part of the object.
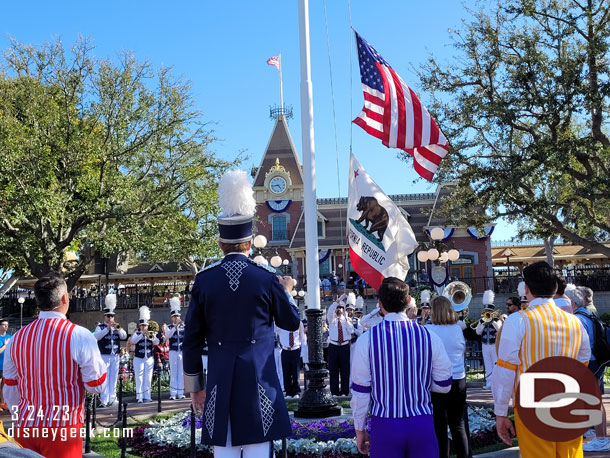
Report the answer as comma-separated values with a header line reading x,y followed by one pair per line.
x,y
558,399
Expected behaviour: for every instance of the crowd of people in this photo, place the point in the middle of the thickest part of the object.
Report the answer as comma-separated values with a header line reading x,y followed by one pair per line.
x,y
403,371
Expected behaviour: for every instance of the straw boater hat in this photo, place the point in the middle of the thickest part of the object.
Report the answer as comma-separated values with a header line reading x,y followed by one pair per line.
x,y
425,299
144,315
110,302
174,306
238,206
488,300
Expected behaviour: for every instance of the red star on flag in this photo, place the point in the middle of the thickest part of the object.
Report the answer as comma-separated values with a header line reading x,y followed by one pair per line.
x,y
355,173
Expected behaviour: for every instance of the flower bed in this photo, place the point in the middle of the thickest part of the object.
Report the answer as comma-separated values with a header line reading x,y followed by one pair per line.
x,y
321,438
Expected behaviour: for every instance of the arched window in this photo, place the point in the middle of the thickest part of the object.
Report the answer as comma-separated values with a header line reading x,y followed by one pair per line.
x,y
279,228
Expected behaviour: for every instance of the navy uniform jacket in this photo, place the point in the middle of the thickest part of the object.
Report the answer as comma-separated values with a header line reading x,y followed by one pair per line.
x,y
234,305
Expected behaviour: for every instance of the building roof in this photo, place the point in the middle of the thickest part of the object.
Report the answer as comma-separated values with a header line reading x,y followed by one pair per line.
x,y
280,146
532,253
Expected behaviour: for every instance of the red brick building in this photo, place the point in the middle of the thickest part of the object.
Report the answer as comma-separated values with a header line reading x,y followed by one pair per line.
x,y
278,186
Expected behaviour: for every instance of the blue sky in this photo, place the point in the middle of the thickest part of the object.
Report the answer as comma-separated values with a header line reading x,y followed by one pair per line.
x,y
222,48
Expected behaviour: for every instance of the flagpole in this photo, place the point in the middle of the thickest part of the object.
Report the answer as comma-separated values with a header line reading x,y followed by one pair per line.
x,y
316,401
309,164
281,86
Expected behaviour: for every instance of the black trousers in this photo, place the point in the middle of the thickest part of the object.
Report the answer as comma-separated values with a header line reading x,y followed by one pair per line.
x,y
338,364
291,367
448,409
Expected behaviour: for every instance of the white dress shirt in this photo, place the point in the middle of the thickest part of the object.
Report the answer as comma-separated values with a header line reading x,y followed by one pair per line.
x,y
83,351
371,319
298,336
505,380
361,370
333,325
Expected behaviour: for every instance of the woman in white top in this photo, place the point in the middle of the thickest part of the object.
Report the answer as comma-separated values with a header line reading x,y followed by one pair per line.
x,y
449,408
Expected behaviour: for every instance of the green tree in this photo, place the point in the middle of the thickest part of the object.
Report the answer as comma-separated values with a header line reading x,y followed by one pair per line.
x,y
98,157
524,104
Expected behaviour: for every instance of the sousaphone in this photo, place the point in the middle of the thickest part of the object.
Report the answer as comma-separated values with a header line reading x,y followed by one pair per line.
x,y
459,294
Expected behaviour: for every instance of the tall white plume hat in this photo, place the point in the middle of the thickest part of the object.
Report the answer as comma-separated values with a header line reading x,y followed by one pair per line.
x,y
110,303
238,206
425,298
488,300
174,306
144,315
521,291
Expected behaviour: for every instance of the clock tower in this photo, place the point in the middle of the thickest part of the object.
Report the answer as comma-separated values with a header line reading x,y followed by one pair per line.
x,y
278,188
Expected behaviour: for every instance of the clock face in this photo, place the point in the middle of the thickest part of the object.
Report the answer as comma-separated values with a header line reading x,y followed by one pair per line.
x,y
277,185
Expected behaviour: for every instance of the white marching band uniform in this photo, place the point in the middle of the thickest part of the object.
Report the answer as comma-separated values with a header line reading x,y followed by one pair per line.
x,y
143,361
175,334
488,332
109,344
371,319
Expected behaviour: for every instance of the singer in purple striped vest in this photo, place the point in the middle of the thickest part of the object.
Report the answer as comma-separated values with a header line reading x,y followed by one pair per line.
x,y
396,365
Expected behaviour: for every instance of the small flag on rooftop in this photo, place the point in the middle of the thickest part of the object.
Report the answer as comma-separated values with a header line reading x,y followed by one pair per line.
x,y
275,61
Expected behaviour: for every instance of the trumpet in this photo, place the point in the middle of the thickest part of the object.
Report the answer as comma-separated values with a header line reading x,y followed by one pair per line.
x,y
487,316
151,335
116,326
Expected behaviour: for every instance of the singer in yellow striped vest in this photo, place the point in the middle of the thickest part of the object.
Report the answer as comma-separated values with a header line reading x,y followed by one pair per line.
x,y
528,336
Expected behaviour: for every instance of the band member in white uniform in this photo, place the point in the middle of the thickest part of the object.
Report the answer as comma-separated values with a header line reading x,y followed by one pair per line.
x,y
488,329
358,329
341,330
175,334
143,361
109,336
371,319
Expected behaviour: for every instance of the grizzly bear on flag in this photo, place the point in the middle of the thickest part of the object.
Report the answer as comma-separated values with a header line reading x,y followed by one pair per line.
x,y
374,214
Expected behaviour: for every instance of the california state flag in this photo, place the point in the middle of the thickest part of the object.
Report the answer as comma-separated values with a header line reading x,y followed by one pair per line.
x,y
380,238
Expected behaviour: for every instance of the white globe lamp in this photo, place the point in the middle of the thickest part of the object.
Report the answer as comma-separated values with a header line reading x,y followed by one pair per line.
x,y
276,261
261,260
437,233
260,241
422,256
433,254
453,255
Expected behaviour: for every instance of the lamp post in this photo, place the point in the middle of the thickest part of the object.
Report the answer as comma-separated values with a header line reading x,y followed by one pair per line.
x,y
436,250
21,300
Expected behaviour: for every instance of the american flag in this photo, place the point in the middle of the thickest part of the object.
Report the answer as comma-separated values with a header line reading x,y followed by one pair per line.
x,y
275,61
393,113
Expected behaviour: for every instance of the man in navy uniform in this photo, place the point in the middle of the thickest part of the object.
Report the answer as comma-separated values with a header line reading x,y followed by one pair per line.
x,y
234,305
109,336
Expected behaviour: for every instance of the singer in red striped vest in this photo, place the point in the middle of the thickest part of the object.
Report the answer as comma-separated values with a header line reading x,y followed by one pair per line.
x,y
48,365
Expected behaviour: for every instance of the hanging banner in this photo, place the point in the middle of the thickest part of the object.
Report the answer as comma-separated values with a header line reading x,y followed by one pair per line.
x,y
323,255
474,233
278,206
380,238
448,233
